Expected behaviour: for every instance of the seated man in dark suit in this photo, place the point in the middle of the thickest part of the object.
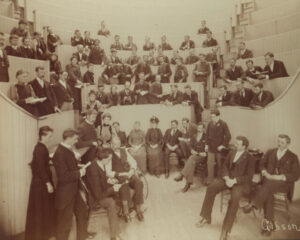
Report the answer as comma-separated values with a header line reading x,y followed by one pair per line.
x,y
171,141
192,58
242,96
88,136
21,30
197,154
13,49
203,29
127,96
39,46
111,74
42,89
63,93
102,96
134,59
253,73
160,53
209,41
164,46
97,54
104,193
187,43
261,97
181,72
190,98
126,73
141,90
26,50
164,70
234,72
88,76
243,52
120,134
117,44
77,39
130,45
280,170
143,67
175,56
225,97
275,68
148,45
81,56
4,63
114,56
174,97
237,173
68,199
87,40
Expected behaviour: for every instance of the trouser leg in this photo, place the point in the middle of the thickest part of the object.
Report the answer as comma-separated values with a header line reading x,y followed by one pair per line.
x,y
81,213
64,221
110,206
137,185
210,166
212,190
189,168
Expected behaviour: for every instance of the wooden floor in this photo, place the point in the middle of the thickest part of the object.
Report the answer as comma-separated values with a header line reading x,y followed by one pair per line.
x,y
171,215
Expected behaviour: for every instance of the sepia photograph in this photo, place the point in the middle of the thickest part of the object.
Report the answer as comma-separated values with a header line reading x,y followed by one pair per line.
x,y
149,119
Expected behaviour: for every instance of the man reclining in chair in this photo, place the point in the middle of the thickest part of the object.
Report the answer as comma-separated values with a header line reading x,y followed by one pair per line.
x,y
124,167
280,170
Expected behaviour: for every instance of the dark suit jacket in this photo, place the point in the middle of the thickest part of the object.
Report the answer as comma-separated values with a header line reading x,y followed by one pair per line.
x,y
46,107
87,135
97,55
193,100
253,73
279,70
191,59
63,94
51,40
243,169
172,140
27,52
187,45
41,49
217,134
234,75
4,64
181,73
288,165
198,146
210,43
175,99
103,98
266,98
88,77
97,183
165,46
75,42
123,138
68,176
84,57
127,99
225,99
13,52
165,71
247,54
239,100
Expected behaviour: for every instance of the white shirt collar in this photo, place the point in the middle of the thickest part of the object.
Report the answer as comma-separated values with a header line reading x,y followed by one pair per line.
x,y
280,153
238,155
63,83
40,81
272,66
66,145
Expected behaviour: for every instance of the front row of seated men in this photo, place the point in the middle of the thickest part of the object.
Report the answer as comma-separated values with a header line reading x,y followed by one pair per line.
x,y
279,169
245,97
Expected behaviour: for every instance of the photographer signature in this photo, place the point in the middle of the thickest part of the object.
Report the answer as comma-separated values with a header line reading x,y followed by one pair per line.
x,y
275,226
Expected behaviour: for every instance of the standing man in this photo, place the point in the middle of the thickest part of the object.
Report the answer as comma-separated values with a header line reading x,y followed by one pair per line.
x,y
190,98
88,136
64,93
171,141
4,63
238,170
218,137
43,90
280,170
68,200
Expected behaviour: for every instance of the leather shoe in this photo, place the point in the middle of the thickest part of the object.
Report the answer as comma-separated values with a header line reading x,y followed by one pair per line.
x,y
186,187
179,178
202,223
248,208
224,235
140,216
127,218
